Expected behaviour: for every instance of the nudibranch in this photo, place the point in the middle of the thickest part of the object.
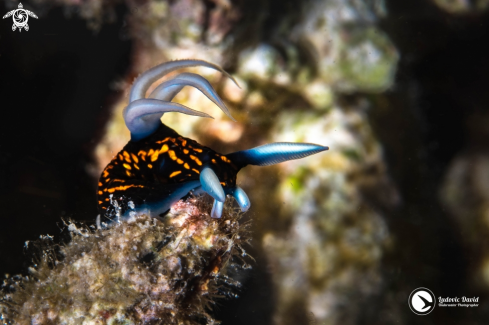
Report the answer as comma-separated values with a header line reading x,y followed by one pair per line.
x,y
158,167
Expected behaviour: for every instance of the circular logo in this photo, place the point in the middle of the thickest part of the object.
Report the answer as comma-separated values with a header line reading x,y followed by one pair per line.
x,y
20,18
422,301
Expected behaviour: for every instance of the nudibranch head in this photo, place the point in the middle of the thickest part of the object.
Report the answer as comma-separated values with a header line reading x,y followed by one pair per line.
x,y
158,167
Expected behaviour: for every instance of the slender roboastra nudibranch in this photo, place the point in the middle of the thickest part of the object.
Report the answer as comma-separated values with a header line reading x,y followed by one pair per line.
x,y
158,167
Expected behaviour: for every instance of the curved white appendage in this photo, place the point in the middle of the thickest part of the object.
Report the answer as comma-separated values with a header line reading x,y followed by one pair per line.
x,y
211,184
145,80
166,94
142,116
168,89
217,207
242,199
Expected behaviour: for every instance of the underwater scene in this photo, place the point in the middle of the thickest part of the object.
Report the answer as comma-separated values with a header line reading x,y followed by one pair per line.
x,y
191,162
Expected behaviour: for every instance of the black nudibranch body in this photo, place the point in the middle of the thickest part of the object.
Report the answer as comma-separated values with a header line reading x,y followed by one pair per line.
x,y
158,167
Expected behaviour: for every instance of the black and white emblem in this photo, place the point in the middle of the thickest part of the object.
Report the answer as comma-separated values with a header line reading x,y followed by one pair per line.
x,y
20,17
422,301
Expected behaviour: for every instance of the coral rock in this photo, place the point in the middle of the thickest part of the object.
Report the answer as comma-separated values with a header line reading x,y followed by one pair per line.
x,y
144,271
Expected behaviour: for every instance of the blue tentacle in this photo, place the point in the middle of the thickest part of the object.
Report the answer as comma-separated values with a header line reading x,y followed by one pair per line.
x,y
274,153
217,209
168,89
241,197
142,116
211,184
145,80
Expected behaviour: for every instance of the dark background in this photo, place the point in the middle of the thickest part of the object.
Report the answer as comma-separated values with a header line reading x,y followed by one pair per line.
x,y
55,97
54,85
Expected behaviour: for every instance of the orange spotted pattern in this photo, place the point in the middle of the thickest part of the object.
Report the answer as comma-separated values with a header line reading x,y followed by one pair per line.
x,y
144,170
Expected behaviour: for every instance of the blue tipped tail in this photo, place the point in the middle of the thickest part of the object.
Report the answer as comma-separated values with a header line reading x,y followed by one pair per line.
x,y
274,153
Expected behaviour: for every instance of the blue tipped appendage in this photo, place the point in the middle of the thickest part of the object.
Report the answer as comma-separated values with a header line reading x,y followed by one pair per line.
x,y
142,115
216,212
211,184
274,153
241,197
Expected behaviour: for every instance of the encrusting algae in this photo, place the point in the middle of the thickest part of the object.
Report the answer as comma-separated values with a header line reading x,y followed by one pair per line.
x,y
143,271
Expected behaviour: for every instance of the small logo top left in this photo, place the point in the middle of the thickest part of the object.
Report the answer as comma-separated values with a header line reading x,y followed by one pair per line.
x,y
20,17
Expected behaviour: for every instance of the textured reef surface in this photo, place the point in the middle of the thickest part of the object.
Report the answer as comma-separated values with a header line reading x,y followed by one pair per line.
x,y
143,271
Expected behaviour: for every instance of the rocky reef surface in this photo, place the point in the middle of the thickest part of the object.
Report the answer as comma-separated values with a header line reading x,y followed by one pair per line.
x,y
143,271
